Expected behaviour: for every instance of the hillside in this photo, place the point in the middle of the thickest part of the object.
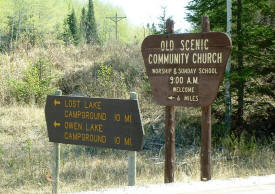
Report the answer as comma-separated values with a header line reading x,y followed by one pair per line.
x,y
69,46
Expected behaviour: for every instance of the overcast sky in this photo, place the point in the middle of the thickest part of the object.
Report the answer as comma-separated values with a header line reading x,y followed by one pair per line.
x,y
141,12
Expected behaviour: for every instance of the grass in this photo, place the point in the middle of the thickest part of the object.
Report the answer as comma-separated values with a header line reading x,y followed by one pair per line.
x,y
26,154
26,157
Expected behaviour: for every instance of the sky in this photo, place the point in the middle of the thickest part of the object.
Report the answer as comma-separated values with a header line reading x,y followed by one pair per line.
x,y
141,12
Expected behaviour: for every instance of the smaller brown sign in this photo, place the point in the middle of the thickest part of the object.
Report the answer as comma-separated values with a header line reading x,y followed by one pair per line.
x,y
186,69
111,123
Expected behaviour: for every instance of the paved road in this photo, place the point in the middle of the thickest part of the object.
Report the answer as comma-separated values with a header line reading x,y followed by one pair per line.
x,y
250,185
255,189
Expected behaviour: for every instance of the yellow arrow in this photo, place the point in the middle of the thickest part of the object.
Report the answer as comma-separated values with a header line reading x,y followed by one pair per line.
x,y
55,102
56,124
171,97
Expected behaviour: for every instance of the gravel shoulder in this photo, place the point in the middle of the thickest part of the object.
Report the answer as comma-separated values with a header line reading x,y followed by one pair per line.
x,y
250,185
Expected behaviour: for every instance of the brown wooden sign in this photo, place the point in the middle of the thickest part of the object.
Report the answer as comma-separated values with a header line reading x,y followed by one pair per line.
x,y
186,69
112,123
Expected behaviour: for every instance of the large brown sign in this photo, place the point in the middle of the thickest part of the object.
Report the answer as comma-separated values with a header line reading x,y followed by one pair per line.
x,y
186,69
112,123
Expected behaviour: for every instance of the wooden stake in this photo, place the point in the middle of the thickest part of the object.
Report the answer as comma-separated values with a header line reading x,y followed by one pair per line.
x,y
132,156
169,129
56,164
206,127
169,144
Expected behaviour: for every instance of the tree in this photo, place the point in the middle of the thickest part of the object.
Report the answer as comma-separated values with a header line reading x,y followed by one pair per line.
x,y
72,24
240,67
162,21
252,56
17,22
29,21
161,25
34,21
227,83
83,27
71,32
91,28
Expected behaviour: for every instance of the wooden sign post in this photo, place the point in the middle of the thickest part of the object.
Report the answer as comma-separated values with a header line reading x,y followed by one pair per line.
x,y
56,161
111,123
186,70
206,127
132,156
169,129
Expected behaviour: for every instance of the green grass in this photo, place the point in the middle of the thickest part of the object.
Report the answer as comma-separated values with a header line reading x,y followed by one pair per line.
x,y
26,157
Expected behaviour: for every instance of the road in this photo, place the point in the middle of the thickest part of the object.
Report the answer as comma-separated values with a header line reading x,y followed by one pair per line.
x,y
250,185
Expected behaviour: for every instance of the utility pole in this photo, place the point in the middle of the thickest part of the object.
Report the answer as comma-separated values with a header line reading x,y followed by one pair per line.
x,y
116,19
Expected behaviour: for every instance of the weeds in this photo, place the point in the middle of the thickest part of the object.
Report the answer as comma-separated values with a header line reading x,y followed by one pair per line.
x,y
111,70
26,157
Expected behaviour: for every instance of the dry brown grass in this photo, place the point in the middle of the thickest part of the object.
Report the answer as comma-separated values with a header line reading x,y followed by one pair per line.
x,y
76,65
26,154
26,157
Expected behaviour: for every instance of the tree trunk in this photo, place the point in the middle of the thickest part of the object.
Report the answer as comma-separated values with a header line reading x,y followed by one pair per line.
x,y
18,32
227,70
11,38
239,122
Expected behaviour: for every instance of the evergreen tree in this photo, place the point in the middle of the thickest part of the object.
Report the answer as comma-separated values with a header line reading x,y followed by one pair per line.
x,y
72,24
91,28
71,32
152,28
252,56
162,21
83,27
161,25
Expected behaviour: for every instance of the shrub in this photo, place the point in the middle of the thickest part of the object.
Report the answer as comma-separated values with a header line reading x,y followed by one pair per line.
x,y
35,83
110,83
242,146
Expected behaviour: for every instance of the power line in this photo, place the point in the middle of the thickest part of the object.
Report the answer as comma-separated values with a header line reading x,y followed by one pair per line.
x,y
116,19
